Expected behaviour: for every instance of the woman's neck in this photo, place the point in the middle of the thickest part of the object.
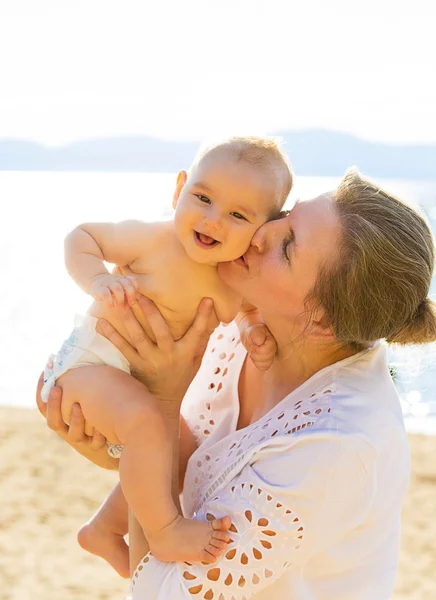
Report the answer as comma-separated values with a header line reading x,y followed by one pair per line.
x,y
297,361
300,356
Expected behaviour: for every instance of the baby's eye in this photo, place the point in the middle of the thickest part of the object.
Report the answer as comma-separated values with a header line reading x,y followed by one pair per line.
x,y
238,215
203,198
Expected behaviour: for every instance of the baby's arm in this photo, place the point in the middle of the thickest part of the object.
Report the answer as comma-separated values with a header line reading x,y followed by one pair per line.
x,y
256,336
90,244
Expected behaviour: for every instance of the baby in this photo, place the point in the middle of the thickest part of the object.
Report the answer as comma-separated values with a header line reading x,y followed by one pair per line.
x,y
232,189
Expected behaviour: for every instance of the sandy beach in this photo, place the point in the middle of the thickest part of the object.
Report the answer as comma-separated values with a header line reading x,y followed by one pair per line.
x,y
48,491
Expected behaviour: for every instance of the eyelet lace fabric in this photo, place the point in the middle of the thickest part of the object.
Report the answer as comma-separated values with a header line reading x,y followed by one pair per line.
x,y
309,488
265,536
266,533
209,412
211,466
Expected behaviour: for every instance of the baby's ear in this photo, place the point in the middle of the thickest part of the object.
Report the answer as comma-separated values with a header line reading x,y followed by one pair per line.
x,y
181,180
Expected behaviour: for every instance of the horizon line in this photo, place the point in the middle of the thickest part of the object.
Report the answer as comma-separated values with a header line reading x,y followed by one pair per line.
x,y
177,140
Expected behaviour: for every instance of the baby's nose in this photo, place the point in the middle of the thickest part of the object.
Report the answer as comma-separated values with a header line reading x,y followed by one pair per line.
x,y
212,223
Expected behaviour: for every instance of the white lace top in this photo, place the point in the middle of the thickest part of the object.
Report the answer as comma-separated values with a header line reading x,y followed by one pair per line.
x,y
314,488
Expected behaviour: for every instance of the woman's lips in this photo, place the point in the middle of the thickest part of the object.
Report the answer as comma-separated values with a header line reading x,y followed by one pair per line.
x,y
205,241
241,261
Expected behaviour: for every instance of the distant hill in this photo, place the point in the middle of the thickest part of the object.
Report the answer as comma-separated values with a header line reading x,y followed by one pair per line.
x,y
312,152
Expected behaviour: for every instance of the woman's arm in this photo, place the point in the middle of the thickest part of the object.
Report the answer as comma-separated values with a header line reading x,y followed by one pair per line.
x,y
187,447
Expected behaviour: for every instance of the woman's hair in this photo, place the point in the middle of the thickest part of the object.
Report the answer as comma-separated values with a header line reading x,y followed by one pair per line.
x,y
378,284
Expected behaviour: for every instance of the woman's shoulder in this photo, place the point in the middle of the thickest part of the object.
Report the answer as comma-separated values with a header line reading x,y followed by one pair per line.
x,y
366,400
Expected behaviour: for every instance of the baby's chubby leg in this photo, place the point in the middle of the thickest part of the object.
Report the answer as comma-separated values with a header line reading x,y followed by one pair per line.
x,y
122,409
104,533
109,398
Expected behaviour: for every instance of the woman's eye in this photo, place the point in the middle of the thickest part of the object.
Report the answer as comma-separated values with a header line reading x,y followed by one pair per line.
x,y
238,215
203,198
285,245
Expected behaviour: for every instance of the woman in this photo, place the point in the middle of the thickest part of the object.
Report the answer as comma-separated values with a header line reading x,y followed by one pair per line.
x,y
309,458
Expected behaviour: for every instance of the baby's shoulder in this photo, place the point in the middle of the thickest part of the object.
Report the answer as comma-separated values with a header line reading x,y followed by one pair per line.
x,y
161,232
146,235
155,228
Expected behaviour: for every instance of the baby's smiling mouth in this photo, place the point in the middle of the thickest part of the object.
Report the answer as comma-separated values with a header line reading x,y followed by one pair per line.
x,y
205,241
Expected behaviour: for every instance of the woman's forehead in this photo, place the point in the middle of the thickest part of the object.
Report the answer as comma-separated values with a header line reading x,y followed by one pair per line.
x,y
315,220
317,208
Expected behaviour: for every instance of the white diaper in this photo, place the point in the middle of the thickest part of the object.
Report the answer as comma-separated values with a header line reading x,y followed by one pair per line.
x,y
85,346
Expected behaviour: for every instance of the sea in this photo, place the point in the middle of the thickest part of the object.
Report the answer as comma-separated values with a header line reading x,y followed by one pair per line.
x,y
38,299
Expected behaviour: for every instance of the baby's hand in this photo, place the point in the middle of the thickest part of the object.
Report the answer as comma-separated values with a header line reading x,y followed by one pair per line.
x,y
114,289
261,346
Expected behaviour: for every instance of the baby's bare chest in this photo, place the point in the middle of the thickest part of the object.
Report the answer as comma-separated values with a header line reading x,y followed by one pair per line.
x,y
177,285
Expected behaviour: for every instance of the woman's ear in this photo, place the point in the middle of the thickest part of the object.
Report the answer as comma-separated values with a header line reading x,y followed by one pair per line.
x,y
319,332
319,328
181,180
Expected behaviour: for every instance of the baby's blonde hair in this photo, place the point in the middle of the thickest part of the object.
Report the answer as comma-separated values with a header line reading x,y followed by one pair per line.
x,y
258,152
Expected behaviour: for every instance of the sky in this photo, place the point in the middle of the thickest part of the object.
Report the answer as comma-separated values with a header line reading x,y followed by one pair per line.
x,y
189,69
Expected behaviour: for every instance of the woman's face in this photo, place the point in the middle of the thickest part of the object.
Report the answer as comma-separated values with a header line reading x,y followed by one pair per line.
x,y
281,265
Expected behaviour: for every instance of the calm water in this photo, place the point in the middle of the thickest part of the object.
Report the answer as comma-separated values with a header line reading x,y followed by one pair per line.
x,y
38,300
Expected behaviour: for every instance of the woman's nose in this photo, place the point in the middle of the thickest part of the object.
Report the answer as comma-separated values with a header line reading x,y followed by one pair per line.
x,y
258,240
268,233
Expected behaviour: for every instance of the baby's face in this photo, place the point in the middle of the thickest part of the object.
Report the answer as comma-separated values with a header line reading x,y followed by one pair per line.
x,y
220,205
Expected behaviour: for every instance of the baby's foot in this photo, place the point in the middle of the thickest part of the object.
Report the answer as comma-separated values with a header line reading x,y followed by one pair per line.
x,y
190,540
106,544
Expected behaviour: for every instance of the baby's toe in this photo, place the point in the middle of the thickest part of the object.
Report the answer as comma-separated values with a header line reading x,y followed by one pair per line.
x,y
214,551
218,544
223,536
222,524
208,557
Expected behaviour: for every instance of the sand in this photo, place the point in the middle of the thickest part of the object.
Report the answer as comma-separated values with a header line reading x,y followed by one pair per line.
x,y
48,491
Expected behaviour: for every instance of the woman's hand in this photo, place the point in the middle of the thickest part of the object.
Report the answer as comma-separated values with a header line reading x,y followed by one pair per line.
x,y
166,367
93,448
